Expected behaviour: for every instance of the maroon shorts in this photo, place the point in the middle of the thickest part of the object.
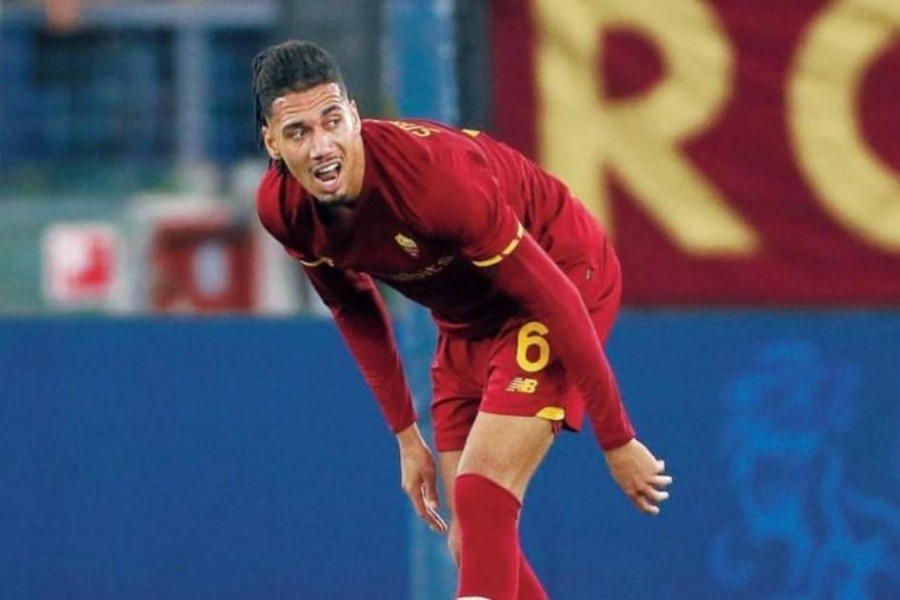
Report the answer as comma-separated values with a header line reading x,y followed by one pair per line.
x,y
509,373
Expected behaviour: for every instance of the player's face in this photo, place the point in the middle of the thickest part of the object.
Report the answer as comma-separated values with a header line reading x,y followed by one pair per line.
x,y
316,133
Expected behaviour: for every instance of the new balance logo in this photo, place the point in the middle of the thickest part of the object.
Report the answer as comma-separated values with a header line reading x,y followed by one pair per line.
x,y
522,385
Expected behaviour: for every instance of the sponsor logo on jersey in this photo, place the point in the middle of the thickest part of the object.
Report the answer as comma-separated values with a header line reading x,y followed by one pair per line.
x,y
523,385
423,273
408,244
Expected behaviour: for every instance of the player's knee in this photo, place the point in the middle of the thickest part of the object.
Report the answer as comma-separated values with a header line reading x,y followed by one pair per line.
x,y
482,504
465,496
462,501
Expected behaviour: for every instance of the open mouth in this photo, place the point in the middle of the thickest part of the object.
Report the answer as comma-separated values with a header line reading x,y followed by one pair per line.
x,y
329,172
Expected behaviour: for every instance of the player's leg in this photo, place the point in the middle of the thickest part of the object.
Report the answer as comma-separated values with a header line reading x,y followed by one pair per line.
x,y
457,377
530,587
448,462
501,455
458,380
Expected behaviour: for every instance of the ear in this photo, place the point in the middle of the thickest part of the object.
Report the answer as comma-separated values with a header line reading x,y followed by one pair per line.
x,y
269,141
357,121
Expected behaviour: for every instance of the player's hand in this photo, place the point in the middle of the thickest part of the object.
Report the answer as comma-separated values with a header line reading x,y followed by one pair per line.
x,y
418,477
640,475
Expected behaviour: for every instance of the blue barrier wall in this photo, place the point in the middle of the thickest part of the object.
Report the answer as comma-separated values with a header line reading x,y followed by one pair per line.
x,y
193,459
243,459
783,433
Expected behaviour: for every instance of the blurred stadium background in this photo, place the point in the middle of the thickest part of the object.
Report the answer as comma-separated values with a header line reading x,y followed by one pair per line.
x,y
180,419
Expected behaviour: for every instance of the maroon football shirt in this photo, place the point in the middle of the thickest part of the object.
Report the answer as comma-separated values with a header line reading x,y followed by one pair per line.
x,y
434,200
438,208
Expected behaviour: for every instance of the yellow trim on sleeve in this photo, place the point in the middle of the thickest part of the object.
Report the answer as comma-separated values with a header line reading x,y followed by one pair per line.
x,y
489,262
552,413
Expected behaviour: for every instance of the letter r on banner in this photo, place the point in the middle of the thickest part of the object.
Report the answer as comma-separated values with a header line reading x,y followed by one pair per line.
x,y
582,133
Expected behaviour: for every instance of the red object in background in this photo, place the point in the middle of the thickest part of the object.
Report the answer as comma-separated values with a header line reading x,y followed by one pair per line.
x,y
79,263
202,267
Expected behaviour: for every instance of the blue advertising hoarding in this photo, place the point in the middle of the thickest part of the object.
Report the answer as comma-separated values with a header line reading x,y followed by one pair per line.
x,y
242,458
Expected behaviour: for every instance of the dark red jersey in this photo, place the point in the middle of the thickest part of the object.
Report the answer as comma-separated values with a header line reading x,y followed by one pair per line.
x,y
438,209
437,206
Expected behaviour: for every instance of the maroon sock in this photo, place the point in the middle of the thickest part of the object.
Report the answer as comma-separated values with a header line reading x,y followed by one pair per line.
x,y
488,517
530,587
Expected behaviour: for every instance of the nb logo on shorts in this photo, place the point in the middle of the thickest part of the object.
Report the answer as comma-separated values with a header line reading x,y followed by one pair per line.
x,y
523,385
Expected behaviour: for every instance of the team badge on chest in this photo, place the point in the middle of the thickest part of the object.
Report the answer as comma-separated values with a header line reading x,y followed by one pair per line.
x,y
408,244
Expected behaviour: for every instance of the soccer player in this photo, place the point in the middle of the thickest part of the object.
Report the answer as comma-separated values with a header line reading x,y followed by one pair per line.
x,y
520,280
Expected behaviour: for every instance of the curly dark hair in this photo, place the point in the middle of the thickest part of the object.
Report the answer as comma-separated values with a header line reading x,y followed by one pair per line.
x,y
292,66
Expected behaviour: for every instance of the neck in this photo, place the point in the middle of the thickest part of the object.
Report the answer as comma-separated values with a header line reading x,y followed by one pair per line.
x,y
335,211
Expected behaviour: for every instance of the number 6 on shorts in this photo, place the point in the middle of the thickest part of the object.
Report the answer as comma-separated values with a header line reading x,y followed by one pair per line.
x,y
531,335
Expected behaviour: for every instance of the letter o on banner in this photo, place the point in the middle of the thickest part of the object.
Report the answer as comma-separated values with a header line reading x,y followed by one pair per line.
x,y
853,184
